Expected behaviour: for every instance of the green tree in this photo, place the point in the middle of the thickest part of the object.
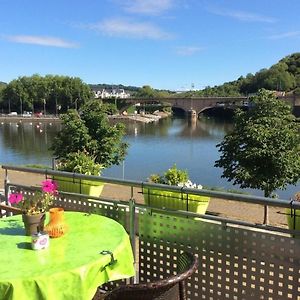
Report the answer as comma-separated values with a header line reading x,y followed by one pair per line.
x,y
32,93
88,130
146,92
263,149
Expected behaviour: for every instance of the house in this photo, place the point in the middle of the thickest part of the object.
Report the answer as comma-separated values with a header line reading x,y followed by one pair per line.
x,y
110,93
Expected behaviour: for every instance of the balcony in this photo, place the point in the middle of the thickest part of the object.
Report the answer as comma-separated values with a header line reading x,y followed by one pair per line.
x,y
239,257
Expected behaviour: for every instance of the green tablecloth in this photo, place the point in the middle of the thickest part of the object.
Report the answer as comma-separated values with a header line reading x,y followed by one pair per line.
x,y
71,267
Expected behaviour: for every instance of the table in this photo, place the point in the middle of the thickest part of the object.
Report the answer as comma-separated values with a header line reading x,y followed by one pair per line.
x,y
72,266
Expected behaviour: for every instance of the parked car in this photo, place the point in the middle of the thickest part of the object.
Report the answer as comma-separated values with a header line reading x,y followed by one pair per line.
x,y
27,114
13,113
38,114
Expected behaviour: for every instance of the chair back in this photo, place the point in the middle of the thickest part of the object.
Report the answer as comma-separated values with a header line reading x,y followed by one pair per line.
x,y
171,288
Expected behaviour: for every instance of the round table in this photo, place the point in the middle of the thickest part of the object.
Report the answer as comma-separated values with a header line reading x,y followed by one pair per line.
x,y
71,268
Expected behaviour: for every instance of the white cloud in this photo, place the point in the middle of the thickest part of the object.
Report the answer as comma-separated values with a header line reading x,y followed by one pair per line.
x,y
285,35
41,40
188,50
242,15
148,7
127,28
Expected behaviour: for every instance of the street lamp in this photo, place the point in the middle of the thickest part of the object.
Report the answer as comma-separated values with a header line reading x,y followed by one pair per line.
x,y
55,106
21,106
44,100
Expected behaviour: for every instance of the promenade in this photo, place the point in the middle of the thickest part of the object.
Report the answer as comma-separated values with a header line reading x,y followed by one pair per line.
x,y
239,211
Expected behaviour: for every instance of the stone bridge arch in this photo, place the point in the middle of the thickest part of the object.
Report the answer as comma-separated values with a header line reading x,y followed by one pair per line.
x,y
199,104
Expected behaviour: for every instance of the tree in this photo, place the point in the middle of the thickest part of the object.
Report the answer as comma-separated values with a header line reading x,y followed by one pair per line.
x,y
263,149
88,131
31,93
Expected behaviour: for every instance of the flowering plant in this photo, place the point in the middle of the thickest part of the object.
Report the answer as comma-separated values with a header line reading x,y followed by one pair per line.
x,y
35,203
174,176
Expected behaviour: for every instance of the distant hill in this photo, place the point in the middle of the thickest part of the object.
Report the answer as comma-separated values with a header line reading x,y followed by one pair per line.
x,y
283,76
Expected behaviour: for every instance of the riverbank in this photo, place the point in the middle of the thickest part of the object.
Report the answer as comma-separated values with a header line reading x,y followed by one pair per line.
x,y
144,118
20,119
229,209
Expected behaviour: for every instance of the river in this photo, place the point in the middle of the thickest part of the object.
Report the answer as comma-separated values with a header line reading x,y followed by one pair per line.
x,y
154,147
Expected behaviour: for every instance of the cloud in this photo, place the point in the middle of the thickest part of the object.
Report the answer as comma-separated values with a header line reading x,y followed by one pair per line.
x,y
188,50
242,15
129,29
41,40
285,35
148,7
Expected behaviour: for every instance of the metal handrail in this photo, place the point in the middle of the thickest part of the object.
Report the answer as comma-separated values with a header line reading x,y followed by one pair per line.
x,y
141,184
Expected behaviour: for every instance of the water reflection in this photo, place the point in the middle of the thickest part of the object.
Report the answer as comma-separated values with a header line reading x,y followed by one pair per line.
x,y
26,142
204,128
153,148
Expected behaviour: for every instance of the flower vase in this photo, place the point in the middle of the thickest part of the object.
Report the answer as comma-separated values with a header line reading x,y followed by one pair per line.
x,y
56,226
34,223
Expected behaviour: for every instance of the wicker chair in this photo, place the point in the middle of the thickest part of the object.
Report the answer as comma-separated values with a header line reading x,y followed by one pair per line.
x,y
4,209
172,288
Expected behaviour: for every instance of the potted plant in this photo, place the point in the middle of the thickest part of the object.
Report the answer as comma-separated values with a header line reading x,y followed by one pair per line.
x,y
86,144
175,200
83,163
294,219
33,206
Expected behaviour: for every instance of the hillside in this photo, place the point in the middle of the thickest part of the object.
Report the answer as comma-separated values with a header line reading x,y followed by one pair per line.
x,y
283,76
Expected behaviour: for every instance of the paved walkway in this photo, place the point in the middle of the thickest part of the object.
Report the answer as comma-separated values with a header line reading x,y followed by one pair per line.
x,y
231,209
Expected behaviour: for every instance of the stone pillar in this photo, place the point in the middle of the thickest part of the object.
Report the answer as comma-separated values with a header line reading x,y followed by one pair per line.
x,y
191,114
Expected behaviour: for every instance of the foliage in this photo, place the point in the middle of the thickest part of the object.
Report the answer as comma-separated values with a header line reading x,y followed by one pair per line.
x,y
88,131
80,162
262,151
38,202
283,76
222,189
147,92
174,176
58,93
110,108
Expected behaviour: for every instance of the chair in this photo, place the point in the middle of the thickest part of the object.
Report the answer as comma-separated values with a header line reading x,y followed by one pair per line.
x,y
4,209
172,288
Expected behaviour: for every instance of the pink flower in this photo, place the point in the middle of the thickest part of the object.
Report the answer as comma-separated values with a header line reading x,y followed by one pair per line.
x,y
49,186
15,198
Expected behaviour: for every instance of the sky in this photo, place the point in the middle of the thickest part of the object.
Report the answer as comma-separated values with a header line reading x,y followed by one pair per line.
x,y
167,44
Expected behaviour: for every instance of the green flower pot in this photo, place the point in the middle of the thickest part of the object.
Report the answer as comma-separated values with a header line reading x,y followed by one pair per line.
x,y
293,223
74,185
176,200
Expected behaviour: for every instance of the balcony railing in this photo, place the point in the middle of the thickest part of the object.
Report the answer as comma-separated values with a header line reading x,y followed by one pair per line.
x,y
238,259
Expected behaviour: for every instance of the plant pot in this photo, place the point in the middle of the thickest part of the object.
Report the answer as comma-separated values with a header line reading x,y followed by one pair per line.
x,y
56,226
34,223
293,222
176,200
75,185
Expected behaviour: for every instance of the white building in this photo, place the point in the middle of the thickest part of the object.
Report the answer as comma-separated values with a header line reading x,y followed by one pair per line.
x,y
109,93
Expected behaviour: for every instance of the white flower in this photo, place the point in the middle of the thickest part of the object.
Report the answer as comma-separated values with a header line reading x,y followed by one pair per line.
x,y
189,184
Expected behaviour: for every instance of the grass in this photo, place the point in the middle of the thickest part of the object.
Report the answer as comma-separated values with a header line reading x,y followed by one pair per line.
x,y
37,166
220,189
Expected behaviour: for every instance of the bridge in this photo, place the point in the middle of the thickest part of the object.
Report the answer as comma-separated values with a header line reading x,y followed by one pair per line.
x,y
196,105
